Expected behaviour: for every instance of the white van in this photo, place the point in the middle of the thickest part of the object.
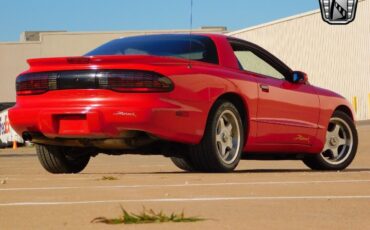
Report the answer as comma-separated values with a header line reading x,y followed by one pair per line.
x,y
7,134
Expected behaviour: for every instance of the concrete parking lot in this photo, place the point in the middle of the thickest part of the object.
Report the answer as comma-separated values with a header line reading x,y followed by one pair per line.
x,y
258,195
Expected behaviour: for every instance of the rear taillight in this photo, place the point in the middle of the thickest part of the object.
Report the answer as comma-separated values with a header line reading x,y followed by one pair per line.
x,y
134,81
32,84
117,80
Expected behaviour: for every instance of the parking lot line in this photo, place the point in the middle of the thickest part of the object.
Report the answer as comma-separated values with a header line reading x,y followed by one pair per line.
x,y
193,199
185,185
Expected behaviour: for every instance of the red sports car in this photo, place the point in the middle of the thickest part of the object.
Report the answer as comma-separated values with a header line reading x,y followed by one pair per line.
x,y
204,100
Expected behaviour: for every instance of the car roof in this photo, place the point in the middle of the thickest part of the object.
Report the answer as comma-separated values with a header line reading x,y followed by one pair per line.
x,y
168,35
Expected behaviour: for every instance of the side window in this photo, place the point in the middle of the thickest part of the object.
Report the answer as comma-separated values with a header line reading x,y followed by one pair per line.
x,y
251,62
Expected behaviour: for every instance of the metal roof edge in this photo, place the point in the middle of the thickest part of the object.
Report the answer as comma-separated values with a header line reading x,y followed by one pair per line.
x,y
305,14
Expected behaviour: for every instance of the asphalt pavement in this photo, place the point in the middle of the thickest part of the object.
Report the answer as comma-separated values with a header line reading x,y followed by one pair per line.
x,y
258,195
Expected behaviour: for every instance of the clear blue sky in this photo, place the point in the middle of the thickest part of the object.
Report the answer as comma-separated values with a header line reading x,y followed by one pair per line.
x,y
108,15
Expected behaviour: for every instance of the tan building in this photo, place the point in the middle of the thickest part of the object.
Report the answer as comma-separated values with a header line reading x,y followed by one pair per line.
x,y
334,57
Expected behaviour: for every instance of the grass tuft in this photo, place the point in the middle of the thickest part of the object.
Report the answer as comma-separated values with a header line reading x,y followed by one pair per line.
x,y
145,217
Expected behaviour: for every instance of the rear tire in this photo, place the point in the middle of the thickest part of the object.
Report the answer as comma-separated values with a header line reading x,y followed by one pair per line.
x,y
340,145
183,163
223,141
57,159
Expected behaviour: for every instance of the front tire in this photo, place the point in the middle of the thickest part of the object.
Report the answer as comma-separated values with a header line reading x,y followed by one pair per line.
x,y
340,145
57,159
223,141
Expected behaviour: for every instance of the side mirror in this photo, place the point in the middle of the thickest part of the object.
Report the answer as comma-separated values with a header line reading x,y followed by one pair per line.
x,y
299,77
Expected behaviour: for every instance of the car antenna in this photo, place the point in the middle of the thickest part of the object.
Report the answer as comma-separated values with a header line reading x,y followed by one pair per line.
x,y
190,31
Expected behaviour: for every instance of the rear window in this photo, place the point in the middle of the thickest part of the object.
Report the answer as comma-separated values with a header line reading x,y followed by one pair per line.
x,y
194,47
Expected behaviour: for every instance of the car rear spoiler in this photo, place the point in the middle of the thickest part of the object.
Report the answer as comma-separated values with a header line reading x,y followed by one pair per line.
x,y
97,60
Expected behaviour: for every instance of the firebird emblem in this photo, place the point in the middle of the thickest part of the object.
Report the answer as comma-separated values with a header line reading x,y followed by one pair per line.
x,y
338,11
302,138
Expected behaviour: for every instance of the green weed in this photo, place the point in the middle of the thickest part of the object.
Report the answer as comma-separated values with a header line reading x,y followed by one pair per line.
x,y
109,178
146,216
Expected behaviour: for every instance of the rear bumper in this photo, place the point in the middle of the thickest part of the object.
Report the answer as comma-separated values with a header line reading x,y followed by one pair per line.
x,y
165,120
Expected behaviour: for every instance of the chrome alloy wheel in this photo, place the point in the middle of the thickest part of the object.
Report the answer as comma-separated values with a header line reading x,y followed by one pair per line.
x,y
228,137
339,142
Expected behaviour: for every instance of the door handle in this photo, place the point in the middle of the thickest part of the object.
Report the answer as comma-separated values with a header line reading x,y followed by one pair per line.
x,y
264,88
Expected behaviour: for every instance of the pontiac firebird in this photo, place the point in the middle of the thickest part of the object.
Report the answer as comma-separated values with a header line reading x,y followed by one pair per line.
x,y
204,100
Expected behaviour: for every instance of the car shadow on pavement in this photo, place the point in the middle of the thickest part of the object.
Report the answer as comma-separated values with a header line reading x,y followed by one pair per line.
x,y
299,170
246,171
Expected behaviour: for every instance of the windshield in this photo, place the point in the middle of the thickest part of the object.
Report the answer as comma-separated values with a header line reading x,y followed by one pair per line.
x,y
194,47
